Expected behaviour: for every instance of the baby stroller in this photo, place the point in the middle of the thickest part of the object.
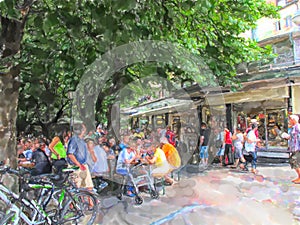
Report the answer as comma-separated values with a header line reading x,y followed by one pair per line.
x,y
137,176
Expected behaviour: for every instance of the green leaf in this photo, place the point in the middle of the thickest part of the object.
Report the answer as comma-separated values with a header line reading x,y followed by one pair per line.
x,y
124,5
48,97
52,19
11,9
38,22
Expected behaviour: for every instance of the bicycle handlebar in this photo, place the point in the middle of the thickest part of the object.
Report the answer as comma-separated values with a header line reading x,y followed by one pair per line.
x,y
7,169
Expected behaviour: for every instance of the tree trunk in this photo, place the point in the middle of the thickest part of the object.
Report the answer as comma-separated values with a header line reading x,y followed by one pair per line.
x,y
10,40
11,34
9,94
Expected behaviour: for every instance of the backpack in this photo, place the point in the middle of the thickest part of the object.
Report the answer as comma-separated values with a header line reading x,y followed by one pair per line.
x,y
172,155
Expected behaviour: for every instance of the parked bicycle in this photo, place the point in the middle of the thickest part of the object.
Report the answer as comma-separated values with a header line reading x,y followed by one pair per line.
x,y
46,199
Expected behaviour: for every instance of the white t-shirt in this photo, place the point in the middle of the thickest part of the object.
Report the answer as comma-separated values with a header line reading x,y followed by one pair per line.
x,y
250,147
238,143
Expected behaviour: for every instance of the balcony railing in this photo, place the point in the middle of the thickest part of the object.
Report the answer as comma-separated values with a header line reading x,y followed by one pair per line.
x,y
260,67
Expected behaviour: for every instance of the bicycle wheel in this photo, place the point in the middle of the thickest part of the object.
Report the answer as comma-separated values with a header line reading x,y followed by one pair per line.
x,y
8,219
80,208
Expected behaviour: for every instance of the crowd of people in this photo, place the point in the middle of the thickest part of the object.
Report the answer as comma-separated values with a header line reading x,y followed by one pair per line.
x,y
239,148
98,156
231,147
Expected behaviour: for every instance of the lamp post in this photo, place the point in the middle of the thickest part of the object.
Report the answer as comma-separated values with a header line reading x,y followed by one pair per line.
x,y
71,96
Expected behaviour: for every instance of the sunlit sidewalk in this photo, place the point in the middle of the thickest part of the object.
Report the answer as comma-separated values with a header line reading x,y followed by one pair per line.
x,y
218,196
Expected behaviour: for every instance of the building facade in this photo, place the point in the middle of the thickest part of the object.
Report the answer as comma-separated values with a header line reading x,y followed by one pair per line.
x,y
271,90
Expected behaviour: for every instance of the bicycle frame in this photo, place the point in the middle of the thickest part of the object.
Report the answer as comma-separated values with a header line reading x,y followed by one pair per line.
x,y
17,211
62,192
38,214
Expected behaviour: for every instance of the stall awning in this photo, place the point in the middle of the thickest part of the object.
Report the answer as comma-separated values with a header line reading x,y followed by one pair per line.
x,y
261,94
167,109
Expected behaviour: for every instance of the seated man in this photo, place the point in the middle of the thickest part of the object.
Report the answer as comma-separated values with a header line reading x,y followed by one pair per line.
x,y
28,147
157,157
126,157
41,162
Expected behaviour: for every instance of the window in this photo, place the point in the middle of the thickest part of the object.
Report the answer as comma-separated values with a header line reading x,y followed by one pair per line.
x,y
254,34
281,3
297,49
278,25
288,21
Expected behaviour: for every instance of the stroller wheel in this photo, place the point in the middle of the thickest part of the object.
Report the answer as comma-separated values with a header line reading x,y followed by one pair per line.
x,y
138,200
154,194
119,196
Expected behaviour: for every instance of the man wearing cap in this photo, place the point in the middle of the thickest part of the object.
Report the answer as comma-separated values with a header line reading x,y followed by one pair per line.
x,y
294,146
253,121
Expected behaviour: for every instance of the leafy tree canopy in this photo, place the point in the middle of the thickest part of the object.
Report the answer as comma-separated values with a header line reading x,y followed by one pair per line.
x,y
62,38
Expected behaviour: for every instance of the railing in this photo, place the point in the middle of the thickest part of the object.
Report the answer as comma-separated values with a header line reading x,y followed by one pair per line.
x,y
243,69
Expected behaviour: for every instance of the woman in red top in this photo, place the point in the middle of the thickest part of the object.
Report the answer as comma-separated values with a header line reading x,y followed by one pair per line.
x,y
228,146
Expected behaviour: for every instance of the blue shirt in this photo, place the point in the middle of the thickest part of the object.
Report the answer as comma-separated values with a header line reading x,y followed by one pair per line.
x,y
100,166
122,146
78,148
28,154
122,157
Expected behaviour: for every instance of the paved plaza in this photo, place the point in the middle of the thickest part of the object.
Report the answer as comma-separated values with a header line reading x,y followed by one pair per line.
x,y
216,196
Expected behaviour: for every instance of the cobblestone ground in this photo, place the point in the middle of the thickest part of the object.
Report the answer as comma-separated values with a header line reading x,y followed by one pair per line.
x,y
215,196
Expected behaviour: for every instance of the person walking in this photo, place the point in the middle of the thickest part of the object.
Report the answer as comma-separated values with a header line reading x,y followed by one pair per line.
x,y
250,146
228,146
238,140
294,145
203,148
